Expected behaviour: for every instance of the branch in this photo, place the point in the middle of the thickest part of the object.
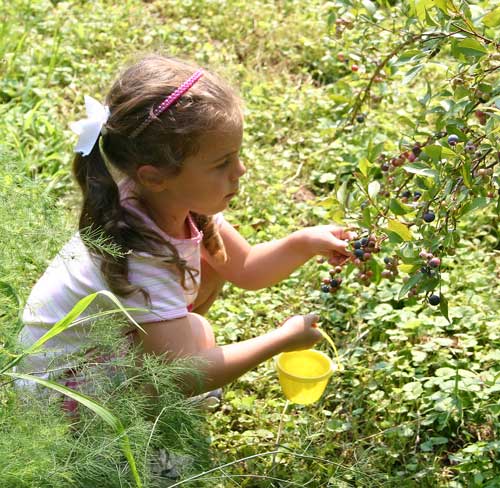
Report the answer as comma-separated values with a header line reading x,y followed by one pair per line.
x,y
364,94
475,34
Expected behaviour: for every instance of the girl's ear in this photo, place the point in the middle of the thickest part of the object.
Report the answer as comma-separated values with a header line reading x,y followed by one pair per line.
x,y
151,178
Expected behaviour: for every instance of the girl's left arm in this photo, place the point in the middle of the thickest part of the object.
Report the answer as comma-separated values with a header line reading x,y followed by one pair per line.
x,y
265,264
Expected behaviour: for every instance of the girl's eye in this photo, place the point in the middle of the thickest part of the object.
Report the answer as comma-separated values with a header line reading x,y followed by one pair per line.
x,y
223,165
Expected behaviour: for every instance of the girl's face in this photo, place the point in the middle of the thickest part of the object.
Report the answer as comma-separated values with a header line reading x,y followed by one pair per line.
x,y
209,179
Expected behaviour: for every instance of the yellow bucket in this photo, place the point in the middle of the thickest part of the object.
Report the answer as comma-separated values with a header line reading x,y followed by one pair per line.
x,y
303,375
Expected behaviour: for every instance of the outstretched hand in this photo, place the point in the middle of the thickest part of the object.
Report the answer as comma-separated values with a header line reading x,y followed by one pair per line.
x,y
330,241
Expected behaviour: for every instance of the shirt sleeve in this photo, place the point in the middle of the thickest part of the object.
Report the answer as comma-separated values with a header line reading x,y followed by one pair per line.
x,y
219,219
167,298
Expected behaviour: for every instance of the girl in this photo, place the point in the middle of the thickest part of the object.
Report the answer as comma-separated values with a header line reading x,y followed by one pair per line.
x,y
157,166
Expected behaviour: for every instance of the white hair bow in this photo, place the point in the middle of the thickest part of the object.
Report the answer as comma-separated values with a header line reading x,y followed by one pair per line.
x,y
89,129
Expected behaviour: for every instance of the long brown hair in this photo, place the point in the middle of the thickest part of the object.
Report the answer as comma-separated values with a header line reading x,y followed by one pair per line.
x,y
165,143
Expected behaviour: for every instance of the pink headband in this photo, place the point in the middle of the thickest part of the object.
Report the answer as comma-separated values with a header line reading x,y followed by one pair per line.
x,y
168,102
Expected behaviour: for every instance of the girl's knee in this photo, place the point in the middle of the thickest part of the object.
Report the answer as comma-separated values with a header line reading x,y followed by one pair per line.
x,y
202,332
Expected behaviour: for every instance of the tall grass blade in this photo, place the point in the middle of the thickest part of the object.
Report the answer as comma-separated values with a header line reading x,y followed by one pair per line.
x,y
68,321
98,409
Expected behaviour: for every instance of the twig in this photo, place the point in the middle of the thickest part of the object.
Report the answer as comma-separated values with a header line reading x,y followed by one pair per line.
x,y
269,453
475,34
364,94
278,436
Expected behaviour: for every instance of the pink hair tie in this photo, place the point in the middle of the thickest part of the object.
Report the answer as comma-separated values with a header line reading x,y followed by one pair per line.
x,y
168,102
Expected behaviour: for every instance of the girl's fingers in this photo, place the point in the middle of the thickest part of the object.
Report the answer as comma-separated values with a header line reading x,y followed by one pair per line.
x,y
348,233
311,318
340,246
337,260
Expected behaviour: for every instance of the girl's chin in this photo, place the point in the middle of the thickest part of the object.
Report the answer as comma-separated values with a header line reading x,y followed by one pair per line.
x,y
212,211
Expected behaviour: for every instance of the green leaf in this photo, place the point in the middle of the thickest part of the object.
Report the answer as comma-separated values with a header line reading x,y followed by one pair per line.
x,y
471,47
416,278
433,151
492,19
398,208
442,4
465,171
342,194
367,217
420,169
428,94
410,55
413,73
98,409
447,153
479,202
412,390
370,7
373,189
376,269
363,166
74,313
400,229
443,308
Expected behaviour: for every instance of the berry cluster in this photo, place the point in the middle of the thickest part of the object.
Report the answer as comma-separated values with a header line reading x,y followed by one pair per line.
x,y
429,268
332,284
389,166
363,250
391,268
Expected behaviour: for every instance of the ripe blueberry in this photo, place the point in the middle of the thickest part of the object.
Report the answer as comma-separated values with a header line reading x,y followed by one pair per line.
x,y
452,140
360,118
325,288
417,195
334,283
357,244
364,241
406,194
429,216
434,300
359,253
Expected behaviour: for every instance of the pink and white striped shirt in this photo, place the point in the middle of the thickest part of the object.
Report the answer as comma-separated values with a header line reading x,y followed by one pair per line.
x,y
75,273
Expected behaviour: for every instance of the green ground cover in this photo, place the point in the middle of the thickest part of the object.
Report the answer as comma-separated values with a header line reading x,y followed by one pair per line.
x,y
418,401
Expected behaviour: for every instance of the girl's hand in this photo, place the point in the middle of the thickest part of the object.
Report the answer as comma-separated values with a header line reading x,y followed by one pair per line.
x,y
300,332
328,240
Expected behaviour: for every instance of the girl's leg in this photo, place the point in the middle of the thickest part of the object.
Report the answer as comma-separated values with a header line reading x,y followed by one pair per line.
x,y
210,287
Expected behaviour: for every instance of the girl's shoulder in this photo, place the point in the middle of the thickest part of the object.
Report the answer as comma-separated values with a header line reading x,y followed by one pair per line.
x,y
71,275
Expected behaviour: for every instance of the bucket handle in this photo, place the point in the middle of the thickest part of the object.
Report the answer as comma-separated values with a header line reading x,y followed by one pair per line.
x,y
330,341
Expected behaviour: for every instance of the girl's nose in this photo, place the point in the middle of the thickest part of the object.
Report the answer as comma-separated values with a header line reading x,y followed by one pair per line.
x,y
240,170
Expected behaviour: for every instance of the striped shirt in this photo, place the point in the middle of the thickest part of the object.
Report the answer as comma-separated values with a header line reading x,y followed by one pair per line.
x,y
74,273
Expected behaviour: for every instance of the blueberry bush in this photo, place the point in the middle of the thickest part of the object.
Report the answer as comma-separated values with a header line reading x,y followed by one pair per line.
x,y
409,190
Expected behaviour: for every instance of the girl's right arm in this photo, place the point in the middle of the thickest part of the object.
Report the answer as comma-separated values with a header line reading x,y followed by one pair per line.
x,y
192,336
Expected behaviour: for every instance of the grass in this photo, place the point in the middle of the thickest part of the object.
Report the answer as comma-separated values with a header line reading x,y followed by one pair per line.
x,y
417,404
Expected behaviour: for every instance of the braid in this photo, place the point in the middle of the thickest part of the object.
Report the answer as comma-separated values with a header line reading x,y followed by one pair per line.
x,y
211,238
